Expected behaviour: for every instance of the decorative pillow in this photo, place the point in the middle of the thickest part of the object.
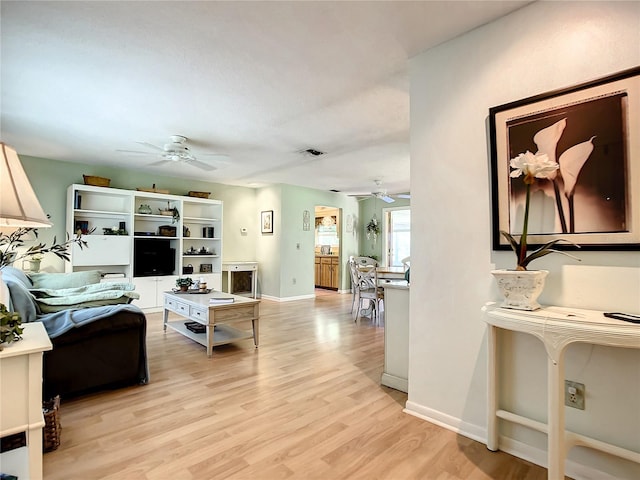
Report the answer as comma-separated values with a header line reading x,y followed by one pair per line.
x,y
57,281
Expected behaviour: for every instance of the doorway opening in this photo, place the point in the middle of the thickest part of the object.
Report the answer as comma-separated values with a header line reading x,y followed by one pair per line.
x,y
328,238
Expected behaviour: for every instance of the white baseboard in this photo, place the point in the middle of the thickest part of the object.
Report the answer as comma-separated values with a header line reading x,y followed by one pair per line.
x,y
288,299
392,381
508,445
447,421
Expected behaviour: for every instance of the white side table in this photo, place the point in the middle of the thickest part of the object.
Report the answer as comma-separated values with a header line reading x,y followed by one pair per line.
x,y
252,267
556,327
21,399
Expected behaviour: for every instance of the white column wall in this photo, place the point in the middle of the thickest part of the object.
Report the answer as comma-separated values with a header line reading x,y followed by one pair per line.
x,y
540,48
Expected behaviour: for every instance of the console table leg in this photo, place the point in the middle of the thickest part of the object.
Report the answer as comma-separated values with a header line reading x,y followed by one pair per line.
x,y
555,446
492,392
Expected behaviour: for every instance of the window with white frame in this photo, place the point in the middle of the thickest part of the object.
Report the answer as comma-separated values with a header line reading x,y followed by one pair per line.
x,y
397,235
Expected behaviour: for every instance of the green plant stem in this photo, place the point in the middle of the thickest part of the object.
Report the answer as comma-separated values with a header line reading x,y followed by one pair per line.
x,y
525,226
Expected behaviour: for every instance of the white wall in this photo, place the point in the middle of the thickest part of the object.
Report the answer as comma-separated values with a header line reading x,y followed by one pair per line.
x,y
542,47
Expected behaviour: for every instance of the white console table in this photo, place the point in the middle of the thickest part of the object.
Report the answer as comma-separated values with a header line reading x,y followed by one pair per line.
x,y
21,400
252,267
556,327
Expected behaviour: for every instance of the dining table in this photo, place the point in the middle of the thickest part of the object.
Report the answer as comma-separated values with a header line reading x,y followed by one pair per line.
x,y
390,273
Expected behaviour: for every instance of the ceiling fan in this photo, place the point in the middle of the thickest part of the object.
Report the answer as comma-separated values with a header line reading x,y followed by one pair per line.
x,y
381,193
176,150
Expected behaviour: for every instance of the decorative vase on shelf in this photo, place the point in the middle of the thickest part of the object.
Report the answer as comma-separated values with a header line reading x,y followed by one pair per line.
x,y
144,209
520,288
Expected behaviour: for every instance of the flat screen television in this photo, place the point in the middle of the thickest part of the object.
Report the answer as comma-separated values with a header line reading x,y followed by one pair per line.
x,y
153,256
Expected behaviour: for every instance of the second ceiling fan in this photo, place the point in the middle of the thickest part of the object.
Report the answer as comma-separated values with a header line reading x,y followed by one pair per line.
x,y
381,193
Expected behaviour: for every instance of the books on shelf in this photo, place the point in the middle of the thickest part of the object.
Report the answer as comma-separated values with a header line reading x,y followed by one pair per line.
x,y
220,300
113,275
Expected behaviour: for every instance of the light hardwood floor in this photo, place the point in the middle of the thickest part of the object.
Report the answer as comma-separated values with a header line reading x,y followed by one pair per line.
x,y
307,404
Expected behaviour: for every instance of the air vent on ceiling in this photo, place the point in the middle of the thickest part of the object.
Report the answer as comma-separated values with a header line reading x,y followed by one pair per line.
x,y
313,152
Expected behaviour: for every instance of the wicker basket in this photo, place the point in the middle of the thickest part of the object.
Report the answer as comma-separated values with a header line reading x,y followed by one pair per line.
x,y
96,181
199,194
153,190
52,427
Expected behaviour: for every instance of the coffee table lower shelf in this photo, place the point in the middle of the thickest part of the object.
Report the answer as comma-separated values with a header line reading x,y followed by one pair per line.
x,y
222,334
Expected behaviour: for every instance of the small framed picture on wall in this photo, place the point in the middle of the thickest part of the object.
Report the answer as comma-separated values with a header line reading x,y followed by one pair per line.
x,y
266,221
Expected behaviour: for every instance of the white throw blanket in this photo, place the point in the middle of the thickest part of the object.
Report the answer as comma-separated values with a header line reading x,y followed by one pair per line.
x,y
87,293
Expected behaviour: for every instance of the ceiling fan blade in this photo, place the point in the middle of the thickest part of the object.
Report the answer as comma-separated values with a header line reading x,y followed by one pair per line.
x,y
150,145
200,165
386,198
403,195
159,162
219,157
134,152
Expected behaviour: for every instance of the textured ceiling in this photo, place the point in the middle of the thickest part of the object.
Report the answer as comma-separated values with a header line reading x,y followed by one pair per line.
x,y
256,81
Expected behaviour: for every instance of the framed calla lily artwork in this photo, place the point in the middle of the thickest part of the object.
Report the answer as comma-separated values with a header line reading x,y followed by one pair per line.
x,y
565,167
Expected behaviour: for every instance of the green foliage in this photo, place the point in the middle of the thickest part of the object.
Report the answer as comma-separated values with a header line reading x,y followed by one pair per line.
x,y
184,282
10,329
10,242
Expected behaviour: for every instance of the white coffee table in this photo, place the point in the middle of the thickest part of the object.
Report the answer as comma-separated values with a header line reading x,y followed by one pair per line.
x,y
218,319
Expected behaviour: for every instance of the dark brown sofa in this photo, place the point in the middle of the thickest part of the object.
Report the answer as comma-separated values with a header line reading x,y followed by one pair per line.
x,y
94,348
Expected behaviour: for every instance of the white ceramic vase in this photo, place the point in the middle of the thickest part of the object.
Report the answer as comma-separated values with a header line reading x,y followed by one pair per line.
x,y
520,289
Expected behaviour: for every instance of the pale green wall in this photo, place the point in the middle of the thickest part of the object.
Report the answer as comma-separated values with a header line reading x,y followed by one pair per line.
x,y
278,253
299,264
51,178
367,208
280,261
268,245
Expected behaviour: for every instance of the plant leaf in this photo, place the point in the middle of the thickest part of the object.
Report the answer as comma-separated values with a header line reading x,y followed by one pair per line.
x,y
515,246
546,249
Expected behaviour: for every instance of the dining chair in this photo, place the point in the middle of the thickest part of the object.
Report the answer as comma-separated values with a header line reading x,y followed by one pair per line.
x,y
406,262
355,286
369,291
360,261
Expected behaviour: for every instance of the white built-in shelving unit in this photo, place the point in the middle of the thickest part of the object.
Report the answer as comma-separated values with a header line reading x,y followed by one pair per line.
x,y
120,232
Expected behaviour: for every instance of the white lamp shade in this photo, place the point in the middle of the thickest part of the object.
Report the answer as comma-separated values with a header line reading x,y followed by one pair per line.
x,y
19,206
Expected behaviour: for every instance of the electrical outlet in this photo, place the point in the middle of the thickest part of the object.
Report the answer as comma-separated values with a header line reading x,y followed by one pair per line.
x,y
574,394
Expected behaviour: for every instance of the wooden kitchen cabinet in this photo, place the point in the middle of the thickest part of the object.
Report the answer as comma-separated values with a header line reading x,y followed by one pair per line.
x,y
317,272
327,272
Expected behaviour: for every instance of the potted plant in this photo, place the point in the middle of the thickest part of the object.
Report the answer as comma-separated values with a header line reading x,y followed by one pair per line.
x,y
10,329
184,283
521,287
373,228
172,211
10,242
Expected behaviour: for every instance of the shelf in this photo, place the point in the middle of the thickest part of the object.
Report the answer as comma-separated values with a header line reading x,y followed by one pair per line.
x,y
200,256
156,236
201,238
222,334
152,217
99,213
199,220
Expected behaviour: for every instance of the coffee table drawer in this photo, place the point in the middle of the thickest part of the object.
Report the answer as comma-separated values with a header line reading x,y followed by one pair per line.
x,y
176,306
198,313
